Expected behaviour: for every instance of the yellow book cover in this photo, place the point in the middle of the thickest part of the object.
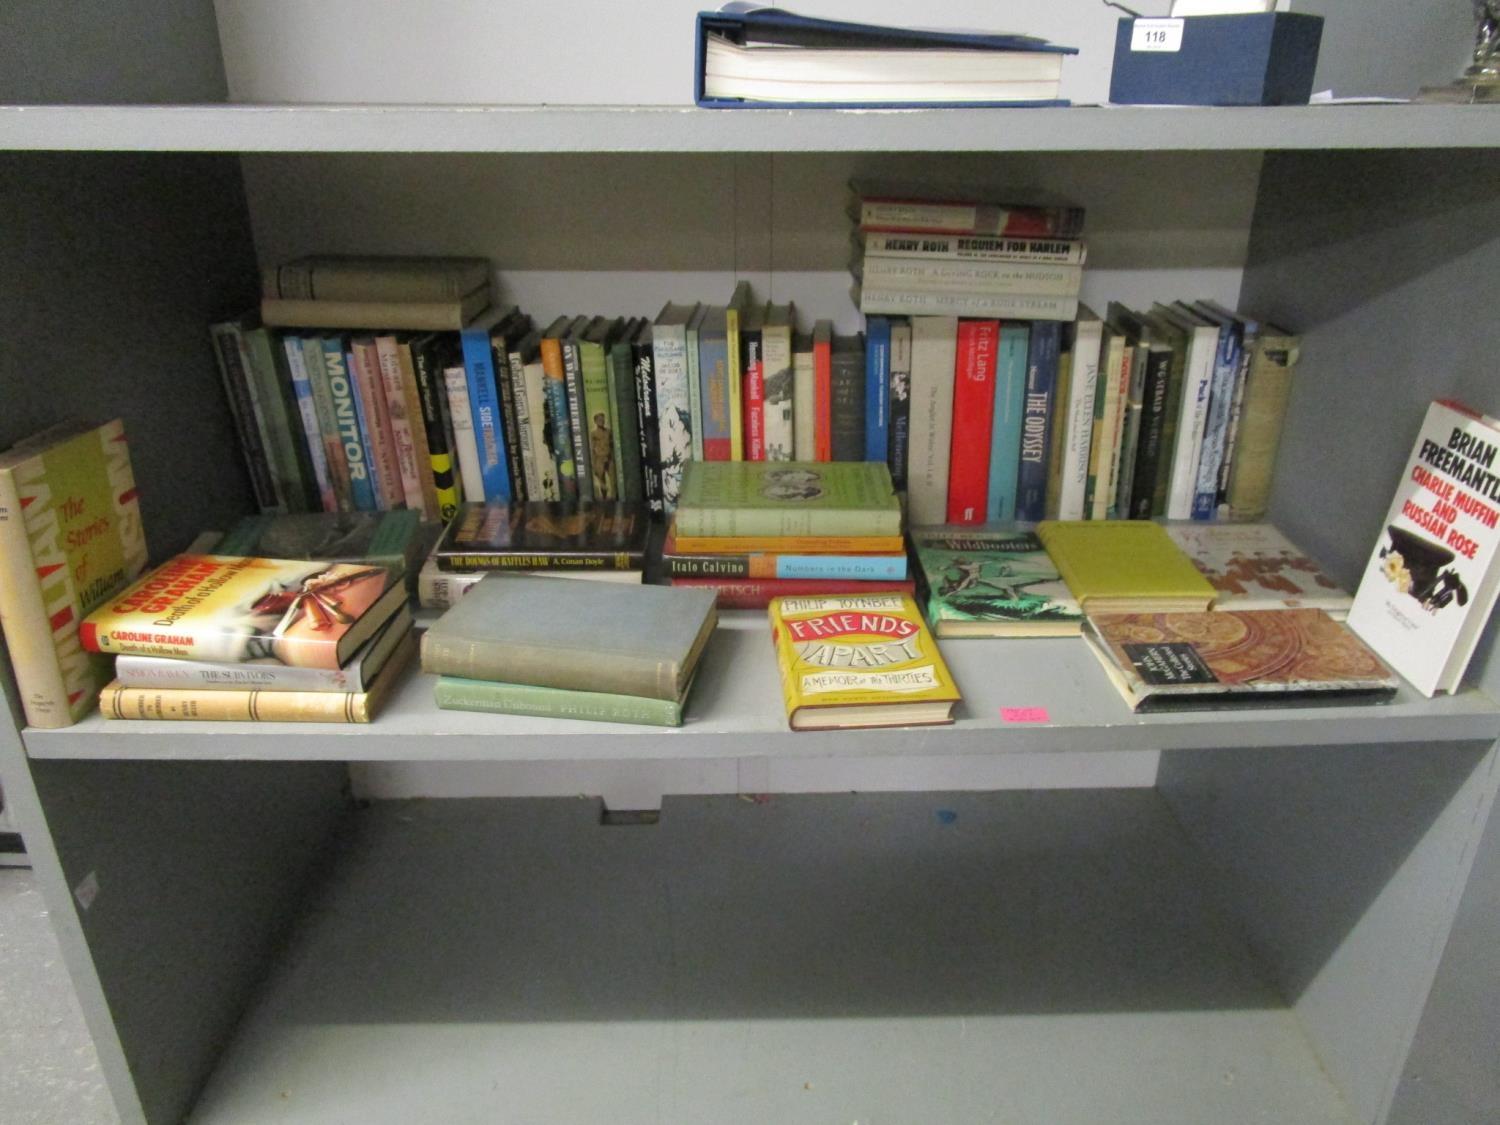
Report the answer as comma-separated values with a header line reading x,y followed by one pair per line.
x,y
307,614
1119,565
859,661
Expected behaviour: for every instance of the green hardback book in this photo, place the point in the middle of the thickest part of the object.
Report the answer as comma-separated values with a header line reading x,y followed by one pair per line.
x,y
1124,566
784,498
584,636
993,581
454,693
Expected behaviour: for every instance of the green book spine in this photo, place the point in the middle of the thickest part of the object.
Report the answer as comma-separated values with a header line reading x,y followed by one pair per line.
x,y
787,498
598,421
626,430
456,694
271,401
1178,341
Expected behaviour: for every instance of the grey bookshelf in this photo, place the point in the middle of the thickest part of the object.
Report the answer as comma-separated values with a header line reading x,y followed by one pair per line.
x,y
1222,916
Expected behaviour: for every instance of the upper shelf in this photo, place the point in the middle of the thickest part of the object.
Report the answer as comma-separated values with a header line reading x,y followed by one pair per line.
x,y
401,128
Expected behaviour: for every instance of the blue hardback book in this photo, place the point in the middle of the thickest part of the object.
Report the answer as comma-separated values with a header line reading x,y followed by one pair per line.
x,y
350,421
877,387
484,405
1036,419
1265,58
1005,434
746,22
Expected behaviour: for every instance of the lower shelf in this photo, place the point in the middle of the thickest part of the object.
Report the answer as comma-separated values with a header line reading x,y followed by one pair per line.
x,y
1040,957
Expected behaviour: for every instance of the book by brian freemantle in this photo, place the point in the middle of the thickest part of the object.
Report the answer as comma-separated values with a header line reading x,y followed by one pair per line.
x,y
309,614
995,581
586,636
70,538
1432,578
788,498
1228,658
1255,566
588,535
859,661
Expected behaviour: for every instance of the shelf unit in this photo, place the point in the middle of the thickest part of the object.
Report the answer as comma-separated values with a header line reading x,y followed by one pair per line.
x,y
1228,917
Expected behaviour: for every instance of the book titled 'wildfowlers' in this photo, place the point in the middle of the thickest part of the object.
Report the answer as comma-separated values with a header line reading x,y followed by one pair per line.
x,y
993,582
787,498
588,535
310,614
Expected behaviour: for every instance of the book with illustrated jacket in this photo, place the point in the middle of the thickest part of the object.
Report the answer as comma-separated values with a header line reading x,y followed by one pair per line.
x,y
1255,566
304,613
1124,566
859,661
1227,658
1432,578
70,538
993,581
787,498
583,535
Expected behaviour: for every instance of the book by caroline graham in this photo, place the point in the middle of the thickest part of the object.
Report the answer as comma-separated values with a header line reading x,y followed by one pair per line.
x,y
993,582
308,614
70,538
859,661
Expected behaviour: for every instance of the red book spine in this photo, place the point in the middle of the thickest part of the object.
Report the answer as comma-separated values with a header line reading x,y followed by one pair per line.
x,y
755,403
756,593
822,399
378,422
973,413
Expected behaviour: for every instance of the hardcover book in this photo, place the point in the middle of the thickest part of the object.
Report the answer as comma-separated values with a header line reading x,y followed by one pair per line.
x,y
1124,566
394,540
846,395
587,636
1255,566
588,535
439,589
993,582
677,563
1228,658
336,277
309,614
70,538
1433,577
859,661
790,498
454,693
757,593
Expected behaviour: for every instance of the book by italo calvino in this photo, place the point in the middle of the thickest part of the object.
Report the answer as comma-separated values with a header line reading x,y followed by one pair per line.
x,y
993,581
587,535
1432,578
70,538
859,661
1235,658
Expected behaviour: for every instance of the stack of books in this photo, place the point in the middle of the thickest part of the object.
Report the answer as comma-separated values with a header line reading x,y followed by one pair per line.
x,y
533,645
755,531
220,637
600,540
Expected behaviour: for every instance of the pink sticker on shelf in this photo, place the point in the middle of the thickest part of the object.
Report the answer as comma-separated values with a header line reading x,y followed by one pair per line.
x,y
1025,715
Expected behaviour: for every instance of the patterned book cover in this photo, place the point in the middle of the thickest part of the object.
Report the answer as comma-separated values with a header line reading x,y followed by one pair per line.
x,y
1220,658
785,498
1255,566
859,661
993,582
70,538
305,613
588,535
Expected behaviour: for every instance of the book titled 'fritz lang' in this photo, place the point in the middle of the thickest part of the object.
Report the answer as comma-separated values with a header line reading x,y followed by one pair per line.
x,y
859,661
307,614
1235,658
993,582
588,535
1433,577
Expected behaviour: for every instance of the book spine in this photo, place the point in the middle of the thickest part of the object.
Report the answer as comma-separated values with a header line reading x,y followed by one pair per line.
x,y
753,395
510,423
270,410
467,447
1055,430
1130,436
1041,374
978,248
933,352
756,593
1149,446
362,419
734,354
456,694
567,668
204,705
1267,391
415,413
823,392
301,483
598,422
645,396
1236,410
862,543
484,405
1216,425
525,425
925,217
346,412
403,442
240,393
414,316
626,432
379,435
558,427
1005,426
906,302
432,394
847,422
307,412
847,567
1078,420
673,412
133,671
542,426
804,406
776,355
328,423
900,398
693,359
441,589
1191,420
973,417
994,279
540,560
39,613
1104,451
713,376
351,279
583,468
877,388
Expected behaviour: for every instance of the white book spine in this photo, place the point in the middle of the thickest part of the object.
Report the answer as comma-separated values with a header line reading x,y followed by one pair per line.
x,y
898,302
440,589
695,383
984,278
521,405
397,406
165,672
1079,419
776,357
934,351
976,248
457,384
535,379
1197,380
1119,404
804,406
674,407
307,410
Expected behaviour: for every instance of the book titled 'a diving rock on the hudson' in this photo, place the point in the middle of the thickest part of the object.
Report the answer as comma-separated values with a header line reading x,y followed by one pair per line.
x,y
787,498
584,636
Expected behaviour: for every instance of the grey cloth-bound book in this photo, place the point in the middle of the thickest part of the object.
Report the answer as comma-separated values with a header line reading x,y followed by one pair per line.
x,y
585,636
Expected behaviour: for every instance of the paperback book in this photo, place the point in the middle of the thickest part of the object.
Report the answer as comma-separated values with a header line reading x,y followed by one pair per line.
x,y
993,582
